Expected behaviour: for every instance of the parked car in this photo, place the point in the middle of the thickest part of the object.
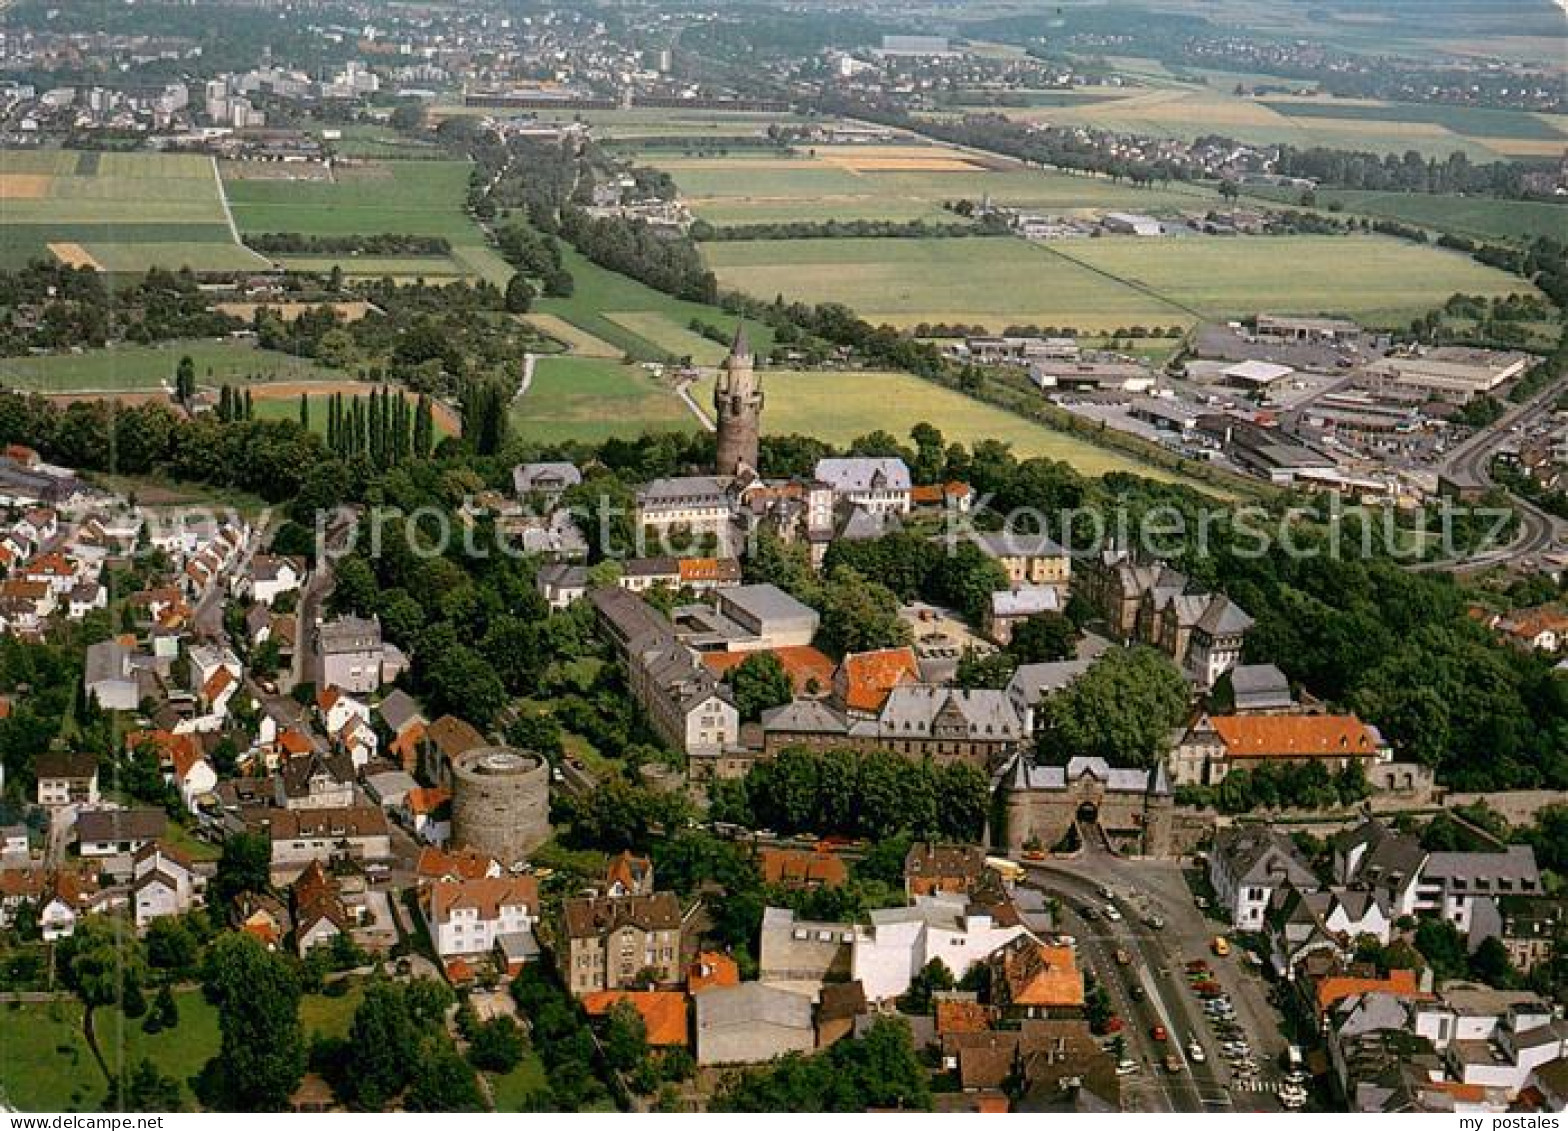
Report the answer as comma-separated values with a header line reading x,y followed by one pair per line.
x,y
1158,1033
1220,946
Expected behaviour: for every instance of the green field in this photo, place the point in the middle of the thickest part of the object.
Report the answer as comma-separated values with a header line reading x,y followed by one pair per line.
x,y
1373,279
839,407
598,290
125,212
404,197
1465,215
45,1064
128,368
982,281
519,1089
824,184
592,399
669,335
1470,121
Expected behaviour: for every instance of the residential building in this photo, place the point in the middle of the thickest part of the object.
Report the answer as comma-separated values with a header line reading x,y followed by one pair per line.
x,y
610,943
943,869
663,1013
800,955
348,654
164,881
300,836
1032,979
118,832
66,779
1247,866
1028,559
1217,744
472,918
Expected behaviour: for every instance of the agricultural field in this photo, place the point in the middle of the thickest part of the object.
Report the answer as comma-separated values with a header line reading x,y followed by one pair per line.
x,y
592,399
840,406
1170,106
132,368
1475,216
992,281
120,212
893,182
420,198
573,339
1375,280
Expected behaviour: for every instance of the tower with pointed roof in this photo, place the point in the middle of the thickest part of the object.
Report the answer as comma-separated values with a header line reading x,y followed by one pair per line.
x,y
737,407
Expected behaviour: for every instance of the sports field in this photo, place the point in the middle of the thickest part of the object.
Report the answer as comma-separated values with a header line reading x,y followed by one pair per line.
x,y
121,212
592,399
893,182
1373,279
420,198
839,407
129,368
993,282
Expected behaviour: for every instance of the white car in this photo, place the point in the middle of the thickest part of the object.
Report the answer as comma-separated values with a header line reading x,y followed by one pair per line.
x,y
1195,1053
1126,1068
1112,914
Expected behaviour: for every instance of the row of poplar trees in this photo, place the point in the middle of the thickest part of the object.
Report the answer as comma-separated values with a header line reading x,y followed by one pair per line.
x,y
382,426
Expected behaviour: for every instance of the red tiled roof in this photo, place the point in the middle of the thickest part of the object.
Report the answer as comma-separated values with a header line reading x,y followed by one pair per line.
x,y
1294,736
868,677
663,1012
1401,983
809,670
710,970
789,866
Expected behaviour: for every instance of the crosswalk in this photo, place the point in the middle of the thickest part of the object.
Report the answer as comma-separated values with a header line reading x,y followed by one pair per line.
x,y
1252,1084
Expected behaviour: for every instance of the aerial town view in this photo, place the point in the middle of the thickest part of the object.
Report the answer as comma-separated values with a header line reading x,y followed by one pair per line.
x,y
855,556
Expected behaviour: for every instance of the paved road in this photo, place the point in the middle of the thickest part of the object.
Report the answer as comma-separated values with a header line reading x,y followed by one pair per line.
x,y
1141,887
1471,462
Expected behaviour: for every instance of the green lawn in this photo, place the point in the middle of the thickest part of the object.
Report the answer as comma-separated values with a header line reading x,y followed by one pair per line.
x,y
993,282
45,1064
838,407
592,399
129,368
513,1090
180,1052
126,211
329,1016
1373,279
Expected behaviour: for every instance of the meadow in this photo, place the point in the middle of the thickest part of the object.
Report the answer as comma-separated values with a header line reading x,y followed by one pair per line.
x,y
841,406
132,368
593,399
121,212
994,282
1373,279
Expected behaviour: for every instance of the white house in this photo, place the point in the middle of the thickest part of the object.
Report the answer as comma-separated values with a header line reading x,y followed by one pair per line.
x,y
879,485
1247,866
163,882
901,940
271,576
472,917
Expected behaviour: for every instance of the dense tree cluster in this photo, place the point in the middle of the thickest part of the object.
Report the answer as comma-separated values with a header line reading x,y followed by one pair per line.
x,y
848,793
880,1071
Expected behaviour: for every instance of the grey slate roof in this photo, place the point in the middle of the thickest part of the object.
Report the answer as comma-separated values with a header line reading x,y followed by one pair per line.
x,y
804,716
1116,779
853,474
98,825
1259,687
546,476
912,708
1016,544
399,709
752,1003
705,490
1025,601
1033,682
1259,855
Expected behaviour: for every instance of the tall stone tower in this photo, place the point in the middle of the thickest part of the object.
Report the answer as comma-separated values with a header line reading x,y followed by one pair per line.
x,y
737,406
